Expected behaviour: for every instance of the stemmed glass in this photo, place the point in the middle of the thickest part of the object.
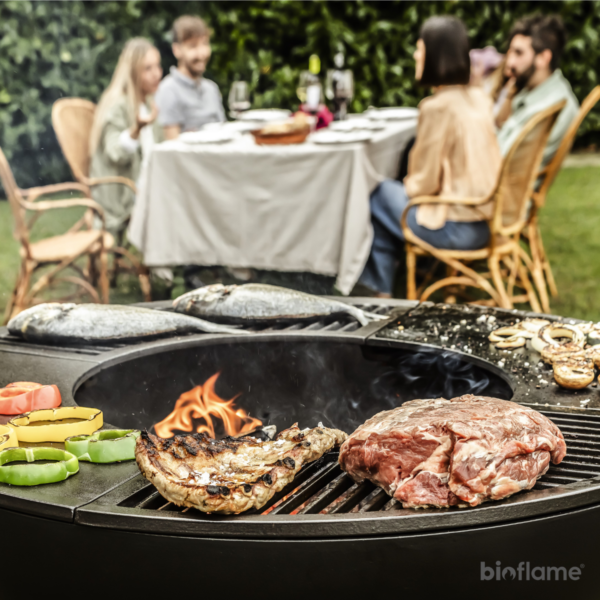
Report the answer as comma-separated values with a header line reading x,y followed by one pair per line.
x,y
309,90
339,88
239,98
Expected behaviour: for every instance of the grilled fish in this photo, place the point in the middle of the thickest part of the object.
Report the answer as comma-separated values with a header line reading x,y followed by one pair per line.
x,y
55,323
233,474
261,303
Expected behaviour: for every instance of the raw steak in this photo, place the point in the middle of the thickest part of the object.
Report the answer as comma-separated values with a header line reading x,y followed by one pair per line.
x,y
233,474
446,452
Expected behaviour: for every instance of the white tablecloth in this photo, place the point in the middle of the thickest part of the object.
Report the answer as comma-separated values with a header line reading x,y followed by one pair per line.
x,y
301,207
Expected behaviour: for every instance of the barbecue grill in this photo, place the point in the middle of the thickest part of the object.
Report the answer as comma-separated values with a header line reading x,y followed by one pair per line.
x,y
324,534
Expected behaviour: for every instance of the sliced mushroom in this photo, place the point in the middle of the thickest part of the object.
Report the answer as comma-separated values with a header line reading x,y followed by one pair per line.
x,y
593,353
573,373
552,353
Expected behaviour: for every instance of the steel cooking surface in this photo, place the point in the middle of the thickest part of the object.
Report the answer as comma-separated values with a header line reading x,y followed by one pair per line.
x,y
323,488
322,502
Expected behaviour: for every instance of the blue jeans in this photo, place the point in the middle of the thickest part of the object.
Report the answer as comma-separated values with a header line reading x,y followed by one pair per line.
x,y
388,202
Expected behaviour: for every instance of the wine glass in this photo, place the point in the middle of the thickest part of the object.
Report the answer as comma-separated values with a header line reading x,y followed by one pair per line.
x,y
305,79
339,84
339,88
239,98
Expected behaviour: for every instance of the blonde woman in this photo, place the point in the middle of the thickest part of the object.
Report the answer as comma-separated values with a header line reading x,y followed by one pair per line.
x,y
124,129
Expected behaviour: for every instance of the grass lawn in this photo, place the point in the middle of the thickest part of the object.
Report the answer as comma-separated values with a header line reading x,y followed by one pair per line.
x,y
570,226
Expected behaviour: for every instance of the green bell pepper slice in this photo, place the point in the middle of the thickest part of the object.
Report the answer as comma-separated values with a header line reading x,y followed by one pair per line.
x,y
36,474
108,446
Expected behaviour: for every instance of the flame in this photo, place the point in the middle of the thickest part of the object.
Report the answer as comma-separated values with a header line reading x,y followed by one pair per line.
x,y
202,402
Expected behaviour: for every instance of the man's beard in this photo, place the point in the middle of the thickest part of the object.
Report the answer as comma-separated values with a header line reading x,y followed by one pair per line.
x,y
522,80
196,68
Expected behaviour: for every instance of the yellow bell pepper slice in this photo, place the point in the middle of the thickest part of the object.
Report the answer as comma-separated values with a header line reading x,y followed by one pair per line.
x,y
8,437
56,432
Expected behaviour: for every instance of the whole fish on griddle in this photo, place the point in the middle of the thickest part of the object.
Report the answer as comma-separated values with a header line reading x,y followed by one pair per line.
x,y
261,303
55,323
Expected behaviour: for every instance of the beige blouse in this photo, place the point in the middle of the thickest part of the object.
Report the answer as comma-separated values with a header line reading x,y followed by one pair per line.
x,y
455,155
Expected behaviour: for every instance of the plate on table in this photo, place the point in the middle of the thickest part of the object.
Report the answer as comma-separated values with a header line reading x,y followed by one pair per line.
x,y
341,137
208,136
265,115
399,113
360,123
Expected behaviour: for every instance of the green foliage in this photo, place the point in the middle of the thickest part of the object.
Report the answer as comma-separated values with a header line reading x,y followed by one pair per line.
x,y
53,49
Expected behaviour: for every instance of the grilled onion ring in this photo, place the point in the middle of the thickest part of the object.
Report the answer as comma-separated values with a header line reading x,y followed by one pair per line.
x,y
547,335
508,337
516,335
573,373
533,325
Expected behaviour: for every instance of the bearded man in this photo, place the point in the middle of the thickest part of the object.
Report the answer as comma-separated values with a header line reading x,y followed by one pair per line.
x,y
186,100
536,46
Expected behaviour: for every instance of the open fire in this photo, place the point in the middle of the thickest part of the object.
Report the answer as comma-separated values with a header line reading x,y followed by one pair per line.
x,y
203,404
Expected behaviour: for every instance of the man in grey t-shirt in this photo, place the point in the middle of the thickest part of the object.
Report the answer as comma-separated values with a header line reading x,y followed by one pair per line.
x,y
185,99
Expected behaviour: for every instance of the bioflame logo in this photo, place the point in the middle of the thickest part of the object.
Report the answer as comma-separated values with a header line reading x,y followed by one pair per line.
x,y
525,572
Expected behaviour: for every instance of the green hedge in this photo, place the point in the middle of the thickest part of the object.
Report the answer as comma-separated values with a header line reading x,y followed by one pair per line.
x,y
53,49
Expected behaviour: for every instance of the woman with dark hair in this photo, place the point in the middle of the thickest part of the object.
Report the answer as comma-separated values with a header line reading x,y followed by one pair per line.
x,y
455,155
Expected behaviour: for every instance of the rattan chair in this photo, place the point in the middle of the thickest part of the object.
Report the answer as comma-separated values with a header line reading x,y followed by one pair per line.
x,y
541,271
503,256
72,119
59,252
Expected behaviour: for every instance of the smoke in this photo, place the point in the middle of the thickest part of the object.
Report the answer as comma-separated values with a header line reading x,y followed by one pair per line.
x,y
435,374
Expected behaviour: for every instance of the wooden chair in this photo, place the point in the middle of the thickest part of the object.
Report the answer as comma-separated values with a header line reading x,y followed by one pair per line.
x,y
541,270
60,252
510,203
72,120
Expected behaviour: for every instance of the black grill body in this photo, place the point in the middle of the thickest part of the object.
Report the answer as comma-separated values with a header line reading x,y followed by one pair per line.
x,y
324,535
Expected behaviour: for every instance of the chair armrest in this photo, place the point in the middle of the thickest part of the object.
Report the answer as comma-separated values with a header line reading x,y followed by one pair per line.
x,y
44,205
445,200
112,179
418,200
32,193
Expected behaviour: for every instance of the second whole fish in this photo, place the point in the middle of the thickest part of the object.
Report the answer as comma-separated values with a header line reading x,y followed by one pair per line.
x,y
57,323
262,303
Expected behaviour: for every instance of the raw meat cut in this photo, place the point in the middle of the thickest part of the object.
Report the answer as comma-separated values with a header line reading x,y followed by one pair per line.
x,y
233,474
463,451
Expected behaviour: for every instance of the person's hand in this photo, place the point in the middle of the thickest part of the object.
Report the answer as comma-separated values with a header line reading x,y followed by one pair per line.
x,y
141,122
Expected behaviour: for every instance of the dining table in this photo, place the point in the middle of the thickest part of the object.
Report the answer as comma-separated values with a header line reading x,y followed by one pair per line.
x,y
294,208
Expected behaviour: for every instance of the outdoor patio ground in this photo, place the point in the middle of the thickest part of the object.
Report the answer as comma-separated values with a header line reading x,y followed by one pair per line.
x,y
570,226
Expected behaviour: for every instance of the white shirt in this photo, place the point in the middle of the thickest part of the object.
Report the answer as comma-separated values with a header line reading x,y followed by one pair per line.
x,y
146,138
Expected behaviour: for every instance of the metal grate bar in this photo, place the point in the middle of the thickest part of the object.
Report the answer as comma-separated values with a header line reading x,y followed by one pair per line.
x,y
309,489
392,504
580,473
153,501
326,496
374,501
349,499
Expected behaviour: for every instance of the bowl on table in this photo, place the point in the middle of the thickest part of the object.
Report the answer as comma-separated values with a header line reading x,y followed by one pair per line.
x,y
294,131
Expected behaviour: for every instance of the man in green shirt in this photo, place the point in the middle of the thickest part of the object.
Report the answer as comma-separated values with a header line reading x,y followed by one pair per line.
x,y
536,46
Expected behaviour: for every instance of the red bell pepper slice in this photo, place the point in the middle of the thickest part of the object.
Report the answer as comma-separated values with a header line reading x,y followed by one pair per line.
x,y
24,396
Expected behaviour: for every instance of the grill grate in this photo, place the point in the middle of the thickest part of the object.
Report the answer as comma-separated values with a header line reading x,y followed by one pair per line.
x,y
323,488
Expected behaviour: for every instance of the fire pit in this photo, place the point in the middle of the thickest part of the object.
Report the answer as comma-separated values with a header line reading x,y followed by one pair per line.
x,y
348,538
